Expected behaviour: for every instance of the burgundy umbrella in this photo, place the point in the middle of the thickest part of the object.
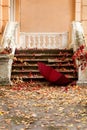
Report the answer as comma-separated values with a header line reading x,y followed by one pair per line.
x,y
52,75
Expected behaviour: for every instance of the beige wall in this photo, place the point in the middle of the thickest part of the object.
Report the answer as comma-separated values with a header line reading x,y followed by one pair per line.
x,y
47,15
81,14
4,14
17,10
0,17
84,17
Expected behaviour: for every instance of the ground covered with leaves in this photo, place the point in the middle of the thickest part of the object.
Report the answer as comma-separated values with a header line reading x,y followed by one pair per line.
x,y
36,106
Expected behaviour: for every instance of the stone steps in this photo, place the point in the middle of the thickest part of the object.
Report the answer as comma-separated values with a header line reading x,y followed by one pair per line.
x,y
25,63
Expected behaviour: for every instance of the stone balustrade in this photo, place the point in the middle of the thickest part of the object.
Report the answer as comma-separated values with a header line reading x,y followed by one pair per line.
x,y
43,40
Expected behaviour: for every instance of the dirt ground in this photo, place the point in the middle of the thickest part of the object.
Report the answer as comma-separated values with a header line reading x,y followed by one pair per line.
x,y
34,106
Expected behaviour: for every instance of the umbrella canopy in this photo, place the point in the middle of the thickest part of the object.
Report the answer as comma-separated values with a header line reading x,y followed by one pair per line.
x,y
52,75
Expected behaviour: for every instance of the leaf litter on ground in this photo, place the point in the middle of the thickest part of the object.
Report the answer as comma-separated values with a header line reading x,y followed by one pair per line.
x,y
44,104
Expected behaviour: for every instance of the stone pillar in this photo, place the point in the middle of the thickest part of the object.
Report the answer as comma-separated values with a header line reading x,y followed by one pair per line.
x,y
82,77
5,69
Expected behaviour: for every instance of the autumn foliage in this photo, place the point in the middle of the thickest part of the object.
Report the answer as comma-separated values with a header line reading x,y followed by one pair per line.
x,y
81,56
6,50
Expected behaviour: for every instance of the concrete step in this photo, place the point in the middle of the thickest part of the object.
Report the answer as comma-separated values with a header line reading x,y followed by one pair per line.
x,y
46,51
37,77
35,65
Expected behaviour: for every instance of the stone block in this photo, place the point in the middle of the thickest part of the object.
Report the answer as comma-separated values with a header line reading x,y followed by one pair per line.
x,y
82,77
5,70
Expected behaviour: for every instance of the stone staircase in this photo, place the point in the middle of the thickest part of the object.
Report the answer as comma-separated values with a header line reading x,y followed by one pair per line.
x,y
25,63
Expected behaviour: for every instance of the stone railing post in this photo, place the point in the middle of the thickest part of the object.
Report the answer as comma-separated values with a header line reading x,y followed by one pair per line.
x,y
77,35
82,71
78,40
8,41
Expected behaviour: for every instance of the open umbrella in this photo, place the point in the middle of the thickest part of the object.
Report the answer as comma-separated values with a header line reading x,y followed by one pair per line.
x,y
52,75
